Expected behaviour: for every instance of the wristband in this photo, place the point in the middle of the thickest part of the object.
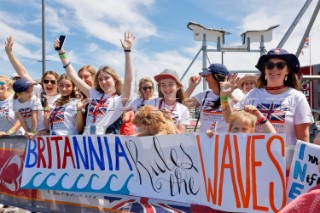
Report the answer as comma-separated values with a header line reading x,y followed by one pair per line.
x,y
32,131
62,53
261,119
264,121
65,66
9,132
63,56
224,98
127,50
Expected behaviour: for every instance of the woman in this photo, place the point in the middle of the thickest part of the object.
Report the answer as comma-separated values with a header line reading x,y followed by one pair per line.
x,y
146,92
211,117
170,99
277,96
107,97
87,73
245,85
48,89
67,116
10,125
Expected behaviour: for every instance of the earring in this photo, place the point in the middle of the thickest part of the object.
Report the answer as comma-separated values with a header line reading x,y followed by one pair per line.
x,y
286,78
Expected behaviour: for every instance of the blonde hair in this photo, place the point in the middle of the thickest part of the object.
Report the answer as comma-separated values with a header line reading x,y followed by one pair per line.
x,y
9,83
142,80
112,72
90,69
66,99
242,116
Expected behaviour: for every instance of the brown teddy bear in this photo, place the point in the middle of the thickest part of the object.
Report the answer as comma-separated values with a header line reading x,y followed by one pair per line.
x,y
151,121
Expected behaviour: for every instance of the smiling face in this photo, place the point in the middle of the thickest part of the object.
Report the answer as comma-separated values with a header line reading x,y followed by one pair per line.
x,y
65,87
146,90
274,74
107,83
49,83
248,85
169,88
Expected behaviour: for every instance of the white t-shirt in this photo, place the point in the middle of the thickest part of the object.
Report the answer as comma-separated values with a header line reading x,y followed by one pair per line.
x,y
179,113
210,118
26,109
103,110
8,116
283,110
61,120
37,90
136,104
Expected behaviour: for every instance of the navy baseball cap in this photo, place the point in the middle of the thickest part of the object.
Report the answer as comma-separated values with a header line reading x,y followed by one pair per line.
x,y
22,85
216,69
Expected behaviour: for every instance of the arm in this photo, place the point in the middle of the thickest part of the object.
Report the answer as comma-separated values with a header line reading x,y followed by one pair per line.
x,y
34,123
181,128
18,67
127,43
302,131
71,72
191,103
79,117
266,126
194,81
14,128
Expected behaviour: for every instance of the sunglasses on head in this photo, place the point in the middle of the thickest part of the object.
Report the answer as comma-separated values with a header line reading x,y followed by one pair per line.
x,y
279,65
146,88
51,81
2,83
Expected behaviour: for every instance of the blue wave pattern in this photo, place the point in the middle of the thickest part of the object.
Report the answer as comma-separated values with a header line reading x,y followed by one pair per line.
x,y
88,188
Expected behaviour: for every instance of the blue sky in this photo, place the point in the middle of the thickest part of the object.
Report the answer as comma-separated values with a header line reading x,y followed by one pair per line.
x,y
162,37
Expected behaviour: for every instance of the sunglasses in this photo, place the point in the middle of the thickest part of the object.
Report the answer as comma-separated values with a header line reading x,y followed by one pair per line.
x,y
2,83
51,81
147,88
279,65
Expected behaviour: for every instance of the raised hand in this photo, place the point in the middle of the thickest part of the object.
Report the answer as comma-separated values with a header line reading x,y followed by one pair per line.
x,y
127,40
57,44
228,85
8,45
194,81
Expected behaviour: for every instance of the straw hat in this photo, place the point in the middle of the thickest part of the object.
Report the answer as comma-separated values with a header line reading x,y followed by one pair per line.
x,y
247,77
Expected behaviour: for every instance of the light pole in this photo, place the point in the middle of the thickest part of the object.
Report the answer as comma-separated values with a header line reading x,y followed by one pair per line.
x,y
43,38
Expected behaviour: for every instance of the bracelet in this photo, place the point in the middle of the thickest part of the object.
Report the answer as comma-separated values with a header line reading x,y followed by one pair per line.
x,y
127,50
225,103
261,119
65,66
9,132
63,56
264,121
224,98
32,131
46,108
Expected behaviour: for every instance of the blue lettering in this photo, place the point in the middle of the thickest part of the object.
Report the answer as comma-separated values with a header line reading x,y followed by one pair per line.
x,y
299,172
79,153
120,152
32,147
100,161
294,191
108,153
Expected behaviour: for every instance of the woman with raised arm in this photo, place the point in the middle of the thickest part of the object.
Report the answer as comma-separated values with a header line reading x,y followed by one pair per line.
x,y
109,94
48,89
277,96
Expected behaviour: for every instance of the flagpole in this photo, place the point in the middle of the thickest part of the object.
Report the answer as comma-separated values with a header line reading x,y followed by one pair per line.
x,y
310,68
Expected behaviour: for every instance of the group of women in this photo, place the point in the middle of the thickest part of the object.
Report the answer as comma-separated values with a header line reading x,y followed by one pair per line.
x,y
90,101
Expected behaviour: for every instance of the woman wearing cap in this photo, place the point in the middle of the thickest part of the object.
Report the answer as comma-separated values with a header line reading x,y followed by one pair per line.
x,y
9,123
170,99
277,96
48,88
211,117
109,94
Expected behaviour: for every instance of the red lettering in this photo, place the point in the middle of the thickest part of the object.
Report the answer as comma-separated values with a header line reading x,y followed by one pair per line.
x,y
49,153
67,153
56,140
41,147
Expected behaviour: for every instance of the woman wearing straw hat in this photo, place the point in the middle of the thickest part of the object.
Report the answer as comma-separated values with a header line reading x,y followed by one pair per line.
x,y
245,85
277,96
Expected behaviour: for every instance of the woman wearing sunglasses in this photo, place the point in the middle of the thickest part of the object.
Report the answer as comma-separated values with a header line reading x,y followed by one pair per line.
x,y
10,124
48,89
109,94
146,92
277,96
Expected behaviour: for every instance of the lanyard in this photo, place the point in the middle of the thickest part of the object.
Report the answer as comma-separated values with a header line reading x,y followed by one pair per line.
x,y
100,103
172,107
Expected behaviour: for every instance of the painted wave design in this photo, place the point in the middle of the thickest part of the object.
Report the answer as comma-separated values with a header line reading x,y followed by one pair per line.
x,y
87,188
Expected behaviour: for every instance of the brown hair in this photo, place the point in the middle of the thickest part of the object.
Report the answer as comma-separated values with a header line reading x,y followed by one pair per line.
x,y
243,116
292,80
66,99
180,93
142,80
56,75
88,68
112,72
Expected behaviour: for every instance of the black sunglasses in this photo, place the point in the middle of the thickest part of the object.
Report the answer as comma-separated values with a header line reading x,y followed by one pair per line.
x,y
147,88
279,65
51,81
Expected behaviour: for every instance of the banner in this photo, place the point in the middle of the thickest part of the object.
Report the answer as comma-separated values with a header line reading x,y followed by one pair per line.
x,y
226,172
304,172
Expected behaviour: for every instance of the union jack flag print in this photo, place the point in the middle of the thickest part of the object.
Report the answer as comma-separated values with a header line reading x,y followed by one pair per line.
x,y
26,112
276,113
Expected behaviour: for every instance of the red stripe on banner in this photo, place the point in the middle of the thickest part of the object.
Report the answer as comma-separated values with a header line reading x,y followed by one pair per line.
x,y
171,208
146,205
122,204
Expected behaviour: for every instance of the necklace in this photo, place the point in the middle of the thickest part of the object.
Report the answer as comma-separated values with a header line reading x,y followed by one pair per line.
x,y
275,88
